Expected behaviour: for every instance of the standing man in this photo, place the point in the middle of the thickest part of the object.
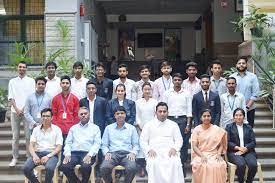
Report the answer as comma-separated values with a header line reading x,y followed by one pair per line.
x,y
19,89
248,85
104,86
206,99
120,146
96,106
36,102
53,82
231,101
81,147
128,83
161,142
78,87
46,143
179,102
192,83
65,107
164,82
144,73
218,83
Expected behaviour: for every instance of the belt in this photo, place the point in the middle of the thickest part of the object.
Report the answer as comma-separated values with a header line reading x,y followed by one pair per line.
x,y
176,117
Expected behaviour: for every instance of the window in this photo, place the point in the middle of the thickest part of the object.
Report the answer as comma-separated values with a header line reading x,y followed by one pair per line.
x,y
22,21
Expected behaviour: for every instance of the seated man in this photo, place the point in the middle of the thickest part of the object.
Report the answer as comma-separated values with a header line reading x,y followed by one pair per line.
x,y
119,146
45,144
161,142
241,146
81,146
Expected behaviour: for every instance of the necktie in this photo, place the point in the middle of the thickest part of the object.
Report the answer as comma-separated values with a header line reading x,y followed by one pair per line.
x,y
206,98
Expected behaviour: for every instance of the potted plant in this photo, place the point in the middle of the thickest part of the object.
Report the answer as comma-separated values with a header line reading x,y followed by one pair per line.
x,y
255,20
3,104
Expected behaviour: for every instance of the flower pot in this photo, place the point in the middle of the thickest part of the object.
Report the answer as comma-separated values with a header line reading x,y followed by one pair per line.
x,y
2,116
257,31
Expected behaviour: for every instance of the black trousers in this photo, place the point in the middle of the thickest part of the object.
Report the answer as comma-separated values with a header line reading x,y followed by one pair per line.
x,y
249,160
250,117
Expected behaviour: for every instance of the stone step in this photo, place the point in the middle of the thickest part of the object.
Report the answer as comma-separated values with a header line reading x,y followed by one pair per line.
x,y
264,132
265,153
265,142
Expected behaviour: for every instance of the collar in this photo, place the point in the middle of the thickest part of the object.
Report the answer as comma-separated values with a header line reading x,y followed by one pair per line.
x,y
126,80
208,91
170,77
42,129
235,94
53,79
240,126
195,81
123,127
22,77
91,100
85,125
80,79
181,90
37,94
245,73
213,79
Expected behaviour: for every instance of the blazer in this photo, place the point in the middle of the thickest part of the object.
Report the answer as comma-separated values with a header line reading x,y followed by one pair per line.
x,y
234,140
214,104
99,115
130,107
105,88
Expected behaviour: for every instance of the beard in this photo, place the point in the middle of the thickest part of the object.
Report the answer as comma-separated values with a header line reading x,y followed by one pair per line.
x,y
242,69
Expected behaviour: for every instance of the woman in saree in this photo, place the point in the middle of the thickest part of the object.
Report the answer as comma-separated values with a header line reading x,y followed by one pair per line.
x,y
209,143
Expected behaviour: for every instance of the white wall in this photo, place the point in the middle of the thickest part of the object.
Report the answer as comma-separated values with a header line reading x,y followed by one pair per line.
x,y
223,29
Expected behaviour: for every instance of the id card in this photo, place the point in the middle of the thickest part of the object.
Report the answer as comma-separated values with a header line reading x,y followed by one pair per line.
x,y
64,115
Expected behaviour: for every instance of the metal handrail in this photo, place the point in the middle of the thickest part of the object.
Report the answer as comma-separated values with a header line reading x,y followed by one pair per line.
x,y
262,70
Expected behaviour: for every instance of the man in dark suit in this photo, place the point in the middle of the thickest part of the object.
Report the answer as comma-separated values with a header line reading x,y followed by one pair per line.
x,y
104,85
241,146
206,99
96,105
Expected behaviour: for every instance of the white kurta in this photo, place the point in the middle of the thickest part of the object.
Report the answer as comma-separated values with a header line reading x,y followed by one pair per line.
x,y
161,137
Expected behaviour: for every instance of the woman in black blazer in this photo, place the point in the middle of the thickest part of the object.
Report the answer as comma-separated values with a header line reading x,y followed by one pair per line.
x,y
241,146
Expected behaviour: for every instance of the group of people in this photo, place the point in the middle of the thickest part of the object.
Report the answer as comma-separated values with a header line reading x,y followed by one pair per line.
x,y
121,122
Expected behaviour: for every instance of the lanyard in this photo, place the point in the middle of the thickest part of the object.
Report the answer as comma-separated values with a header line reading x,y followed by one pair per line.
x,y
217,85
39,104
164,83
63,102
231,106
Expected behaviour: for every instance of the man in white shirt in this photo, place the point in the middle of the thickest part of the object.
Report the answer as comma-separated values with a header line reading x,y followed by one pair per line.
x,y
81,147
128,83
19,89
53,82
164,82
78,87
231,101
46,143
144,73
179,102
192,83
161,142
218,83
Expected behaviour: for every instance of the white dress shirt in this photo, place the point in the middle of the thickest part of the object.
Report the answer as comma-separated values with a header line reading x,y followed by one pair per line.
x,y
179,103
78,87
128,85
240,132
46,140
145,110
53,86
193,87
92,106
20,89
160,86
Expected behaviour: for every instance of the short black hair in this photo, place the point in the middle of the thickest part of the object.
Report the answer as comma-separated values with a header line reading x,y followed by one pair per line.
x,y
123,65
46,110
120,85
51,63
90,82
119,108
78,64
205,76
231,78
165,63
161,104
40,78
23,62
215,61
191,64
239,109
142,67
205,110
178,75
243,58
65,77
100,64
146,84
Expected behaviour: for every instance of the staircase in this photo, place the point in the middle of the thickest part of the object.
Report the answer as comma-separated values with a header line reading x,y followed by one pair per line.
x,y
265,138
